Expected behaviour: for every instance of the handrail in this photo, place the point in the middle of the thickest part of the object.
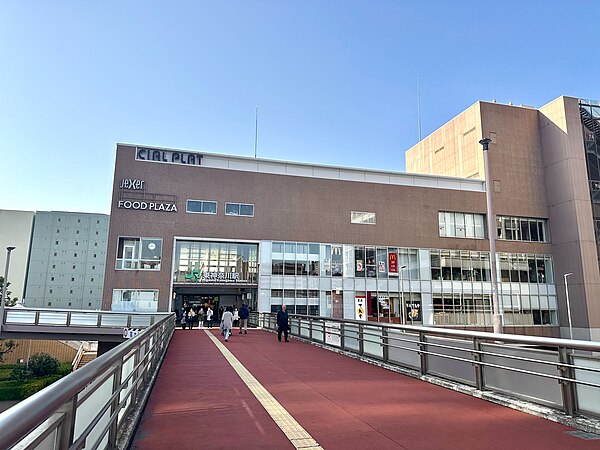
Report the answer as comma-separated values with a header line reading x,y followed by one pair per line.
x,y
78,356
561,373
22,419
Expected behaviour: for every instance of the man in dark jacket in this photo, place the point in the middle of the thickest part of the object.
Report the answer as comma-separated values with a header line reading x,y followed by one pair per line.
x,y
244,313
282,323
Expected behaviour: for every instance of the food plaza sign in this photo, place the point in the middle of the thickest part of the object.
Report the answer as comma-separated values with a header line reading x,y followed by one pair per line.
x,y
168,156
132,184
147,206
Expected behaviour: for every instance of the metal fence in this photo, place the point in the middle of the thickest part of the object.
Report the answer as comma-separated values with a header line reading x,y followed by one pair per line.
x,y
79,318
89,408
559,373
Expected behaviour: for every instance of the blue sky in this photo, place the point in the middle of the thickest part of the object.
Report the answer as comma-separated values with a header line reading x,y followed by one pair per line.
x,y
335,81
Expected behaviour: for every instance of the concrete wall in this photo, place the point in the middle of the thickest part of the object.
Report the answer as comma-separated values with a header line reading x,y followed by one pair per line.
x,y
67,264
451,150
15,231
570,213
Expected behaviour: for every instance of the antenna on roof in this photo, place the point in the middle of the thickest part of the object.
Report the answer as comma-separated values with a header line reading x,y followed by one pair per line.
x,y
255,131
419,108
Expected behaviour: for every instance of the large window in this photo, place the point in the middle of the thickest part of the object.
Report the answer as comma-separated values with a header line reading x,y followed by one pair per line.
x,y
524,268
522,229
460,265
133,300
239,209
215,262
363,217
201,206
462,309
135,253
458,224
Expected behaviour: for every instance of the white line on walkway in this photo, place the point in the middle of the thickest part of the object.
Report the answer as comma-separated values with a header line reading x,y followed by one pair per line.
x,y
293,430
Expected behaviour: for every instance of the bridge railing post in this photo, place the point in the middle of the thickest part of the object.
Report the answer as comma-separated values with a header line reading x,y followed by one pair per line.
x,y
361,337
66,430
385,343
567,387
422,354
477,360
114,408
342,335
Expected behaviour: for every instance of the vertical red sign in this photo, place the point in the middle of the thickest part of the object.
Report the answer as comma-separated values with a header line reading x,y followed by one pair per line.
x,y
393,262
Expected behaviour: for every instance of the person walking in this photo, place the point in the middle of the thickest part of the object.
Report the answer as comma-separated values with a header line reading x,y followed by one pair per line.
x,y
227,321
236,317
190,318
201,317
283,325
244,313
209,316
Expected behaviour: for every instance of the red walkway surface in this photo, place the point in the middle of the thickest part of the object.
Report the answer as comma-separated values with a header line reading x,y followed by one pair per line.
x,y
200,402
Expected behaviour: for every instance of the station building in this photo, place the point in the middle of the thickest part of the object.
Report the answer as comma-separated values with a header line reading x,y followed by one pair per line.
x,y
200,228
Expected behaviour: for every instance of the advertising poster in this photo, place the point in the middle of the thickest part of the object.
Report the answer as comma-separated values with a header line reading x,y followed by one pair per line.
x,y
360,310
332,334
393,262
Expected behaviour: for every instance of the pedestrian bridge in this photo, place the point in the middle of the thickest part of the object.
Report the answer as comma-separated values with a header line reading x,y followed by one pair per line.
x,y
338,384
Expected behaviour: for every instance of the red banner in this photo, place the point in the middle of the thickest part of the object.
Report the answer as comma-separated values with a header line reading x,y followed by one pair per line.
x,y
393,262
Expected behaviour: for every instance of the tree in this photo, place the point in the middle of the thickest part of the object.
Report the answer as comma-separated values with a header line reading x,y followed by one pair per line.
x,y
6,346
8,301
42,364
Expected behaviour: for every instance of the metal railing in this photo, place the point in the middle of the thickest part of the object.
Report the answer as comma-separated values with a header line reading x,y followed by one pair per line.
x,y
90,407
79,318
559,373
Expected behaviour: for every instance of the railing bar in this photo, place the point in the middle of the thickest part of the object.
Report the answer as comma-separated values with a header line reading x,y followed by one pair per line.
x,y
51,425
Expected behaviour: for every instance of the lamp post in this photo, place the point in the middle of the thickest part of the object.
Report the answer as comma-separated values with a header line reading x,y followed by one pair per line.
x,y
567,275
491,219
3,297
402,287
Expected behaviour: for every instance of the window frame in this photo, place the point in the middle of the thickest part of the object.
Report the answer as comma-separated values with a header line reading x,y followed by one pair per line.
x,y
202,206
137,254
239,213
355,214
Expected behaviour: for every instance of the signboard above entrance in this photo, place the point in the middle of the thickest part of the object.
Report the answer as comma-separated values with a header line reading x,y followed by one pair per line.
x,y
168,156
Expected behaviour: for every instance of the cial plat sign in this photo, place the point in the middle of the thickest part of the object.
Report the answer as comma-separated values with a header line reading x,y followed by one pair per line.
x,y
168,156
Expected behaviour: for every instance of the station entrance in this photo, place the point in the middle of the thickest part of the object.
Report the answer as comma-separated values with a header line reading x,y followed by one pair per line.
x,y
218,298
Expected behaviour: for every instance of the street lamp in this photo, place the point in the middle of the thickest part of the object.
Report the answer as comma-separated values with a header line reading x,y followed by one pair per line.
x,y
566,275
3,297
402,287
491,219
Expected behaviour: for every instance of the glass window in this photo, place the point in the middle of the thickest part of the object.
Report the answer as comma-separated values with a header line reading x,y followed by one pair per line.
x,y
371,264
239,209
326,259
363,217
201,206
134,253
132,300
382,260
458,224
436,271
359,259
337,261
277,247
217,262
277,267
524,224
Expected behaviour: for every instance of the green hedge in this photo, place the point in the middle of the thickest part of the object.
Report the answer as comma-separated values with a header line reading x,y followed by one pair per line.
x,y
13,390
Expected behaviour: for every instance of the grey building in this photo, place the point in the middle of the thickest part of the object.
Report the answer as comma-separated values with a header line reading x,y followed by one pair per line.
x,y
67,260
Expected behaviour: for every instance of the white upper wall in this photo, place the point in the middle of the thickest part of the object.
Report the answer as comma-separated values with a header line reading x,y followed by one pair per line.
x,y
248,164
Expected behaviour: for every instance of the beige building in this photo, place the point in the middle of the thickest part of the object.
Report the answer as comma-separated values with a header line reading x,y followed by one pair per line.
x,y
544,165
15,231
